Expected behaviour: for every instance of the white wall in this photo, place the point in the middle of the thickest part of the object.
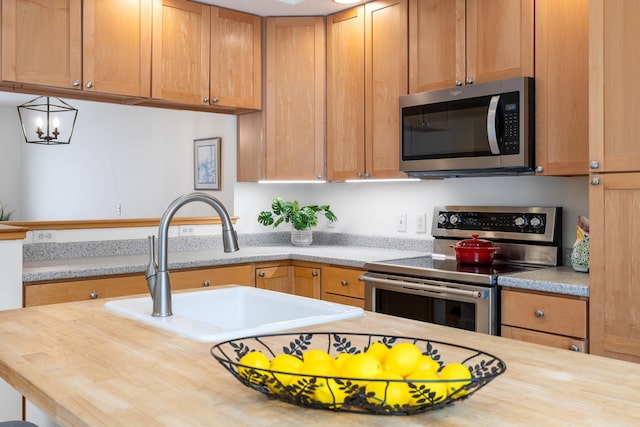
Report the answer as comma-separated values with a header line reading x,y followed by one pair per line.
x,y
10,159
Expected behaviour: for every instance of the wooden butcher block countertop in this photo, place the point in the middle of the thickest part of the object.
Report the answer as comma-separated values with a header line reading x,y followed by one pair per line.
x,y
85,366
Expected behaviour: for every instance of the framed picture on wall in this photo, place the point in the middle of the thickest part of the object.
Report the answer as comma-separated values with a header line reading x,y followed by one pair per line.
x,y
206,167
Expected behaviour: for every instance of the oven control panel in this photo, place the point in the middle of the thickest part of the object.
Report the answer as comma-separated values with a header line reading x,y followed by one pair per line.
x,y
502,222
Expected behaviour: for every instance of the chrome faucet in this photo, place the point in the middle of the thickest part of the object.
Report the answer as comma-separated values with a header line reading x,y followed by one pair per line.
x,y
158,274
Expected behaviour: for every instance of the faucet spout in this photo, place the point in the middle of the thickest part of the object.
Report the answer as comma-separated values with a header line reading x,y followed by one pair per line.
x,y
161,292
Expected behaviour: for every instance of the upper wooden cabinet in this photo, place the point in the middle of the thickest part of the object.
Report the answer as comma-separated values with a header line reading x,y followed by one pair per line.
x,y
562,82
463,42
295,98
206,55
91,45
367,73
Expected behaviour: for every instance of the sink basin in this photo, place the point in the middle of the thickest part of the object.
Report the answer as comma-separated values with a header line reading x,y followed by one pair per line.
x,y
226,313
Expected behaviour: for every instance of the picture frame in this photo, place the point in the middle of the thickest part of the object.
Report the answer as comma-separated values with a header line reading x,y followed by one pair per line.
x,y
206,163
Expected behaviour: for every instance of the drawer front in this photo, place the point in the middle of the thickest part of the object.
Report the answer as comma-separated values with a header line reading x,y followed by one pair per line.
x,y
545,313
339,299
232,275
551,340
343,281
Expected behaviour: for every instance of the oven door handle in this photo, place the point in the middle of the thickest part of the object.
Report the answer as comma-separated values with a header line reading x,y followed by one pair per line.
x,y
443,289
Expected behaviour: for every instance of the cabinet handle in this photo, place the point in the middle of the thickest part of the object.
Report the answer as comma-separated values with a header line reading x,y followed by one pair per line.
x,y
89,85
205,100
595,181
594,164
469,80
215,99
261,274
539,169
314,274
344,283
76,83
574,347
93,295
458,82
539,313
206,283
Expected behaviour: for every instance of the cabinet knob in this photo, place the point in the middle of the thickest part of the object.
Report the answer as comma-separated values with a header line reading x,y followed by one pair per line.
x,y
367,175
215,99
594,164
206,283
458,82
469,80
261,274
359,174
574,347
539,313
89,85
75,83
319,176
205,100
314,274
539,169
344,283
595,181
93,295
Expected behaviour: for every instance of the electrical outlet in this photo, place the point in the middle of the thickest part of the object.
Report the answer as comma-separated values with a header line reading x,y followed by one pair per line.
x,y
401,222
119,209
44,236
187,230
421,223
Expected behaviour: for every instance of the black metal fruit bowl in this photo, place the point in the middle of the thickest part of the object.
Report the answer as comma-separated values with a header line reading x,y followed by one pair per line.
x,y
351,394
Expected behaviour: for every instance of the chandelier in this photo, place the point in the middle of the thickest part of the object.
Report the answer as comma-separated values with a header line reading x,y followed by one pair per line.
x,y
47,120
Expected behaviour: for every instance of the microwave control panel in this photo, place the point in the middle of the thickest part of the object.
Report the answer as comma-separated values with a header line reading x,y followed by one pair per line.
x,y
510,127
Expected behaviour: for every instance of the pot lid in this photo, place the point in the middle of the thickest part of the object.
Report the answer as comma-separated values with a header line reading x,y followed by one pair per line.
x,y
474,243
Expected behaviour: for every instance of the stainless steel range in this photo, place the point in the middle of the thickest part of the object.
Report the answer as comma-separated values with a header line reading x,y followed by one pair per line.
x,y
437,289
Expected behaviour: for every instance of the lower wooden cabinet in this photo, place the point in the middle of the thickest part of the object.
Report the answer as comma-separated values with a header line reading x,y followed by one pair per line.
x,y
117,286
275,277
342,285
550,319
298,278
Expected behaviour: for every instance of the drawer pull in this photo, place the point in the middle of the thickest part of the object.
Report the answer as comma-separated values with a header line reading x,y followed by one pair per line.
x,y
261,274
93,295
206,283
314,274
539,313
344,283
574,347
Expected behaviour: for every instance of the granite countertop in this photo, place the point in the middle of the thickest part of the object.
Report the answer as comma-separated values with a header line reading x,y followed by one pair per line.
x,y
561,280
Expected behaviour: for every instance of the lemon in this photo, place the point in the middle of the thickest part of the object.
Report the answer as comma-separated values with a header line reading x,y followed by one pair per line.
x,y
284,363
426,393
331,393
387,393
315,368
402,359
361,366
426,363
378,350
456,371
339,360
315,354
257,360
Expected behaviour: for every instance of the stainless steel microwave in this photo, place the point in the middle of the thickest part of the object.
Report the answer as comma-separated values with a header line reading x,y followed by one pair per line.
x,y
474,130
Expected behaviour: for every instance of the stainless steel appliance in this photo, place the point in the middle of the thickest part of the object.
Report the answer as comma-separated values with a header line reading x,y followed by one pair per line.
x,y
436,289
479,129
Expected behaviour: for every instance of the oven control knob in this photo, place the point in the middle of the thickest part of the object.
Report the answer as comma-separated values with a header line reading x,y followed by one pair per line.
x,y
442,219
536,222
454,219
520,221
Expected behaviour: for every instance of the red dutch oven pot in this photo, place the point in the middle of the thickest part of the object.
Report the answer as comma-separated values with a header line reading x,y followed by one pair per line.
x,y
474,251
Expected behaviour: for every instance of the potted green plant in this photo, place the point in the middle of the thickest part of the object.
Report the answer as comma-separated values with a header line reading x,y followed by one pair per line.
x,y
5,215
302,218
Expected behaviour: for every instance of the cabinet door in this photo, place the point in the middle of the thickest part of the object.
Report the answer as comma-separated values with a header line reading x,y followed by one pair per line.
x,y
306,281
41,42
614,90
345,95
180,68
436,44
562,79
386,79
342,281
295,101
275,278
614,276
117,46
499,39
236,59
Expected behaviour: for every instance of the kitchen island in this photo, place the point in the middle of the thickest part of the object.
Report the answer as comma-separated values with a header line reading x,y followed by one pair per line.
x,y
85,366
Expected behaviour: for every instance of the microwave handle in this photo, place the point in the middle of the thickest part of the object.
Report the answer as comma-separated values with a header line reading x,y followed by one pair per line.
x,y
491,125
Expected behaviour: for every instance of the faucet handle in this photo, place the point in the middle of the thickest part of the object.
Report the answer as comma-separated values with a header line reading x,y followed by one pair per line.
x,y
152,267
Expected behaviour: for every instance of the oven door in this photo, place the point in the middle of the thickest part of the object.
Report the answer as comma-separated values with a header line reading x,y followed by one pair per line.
x,y
457,305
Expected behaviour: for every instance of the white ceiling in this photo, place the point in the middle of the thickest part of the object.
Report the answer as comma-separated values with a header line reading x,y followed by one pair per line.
x,y
281,7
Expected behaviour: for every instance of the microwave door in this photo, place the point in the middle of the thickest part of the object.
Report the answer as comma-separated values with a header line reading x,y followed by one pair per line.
x,y
492,134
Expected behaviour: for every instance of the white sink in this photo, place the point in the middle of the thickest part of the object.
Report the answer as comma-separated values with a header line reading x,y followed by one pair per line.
x,y
221,314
